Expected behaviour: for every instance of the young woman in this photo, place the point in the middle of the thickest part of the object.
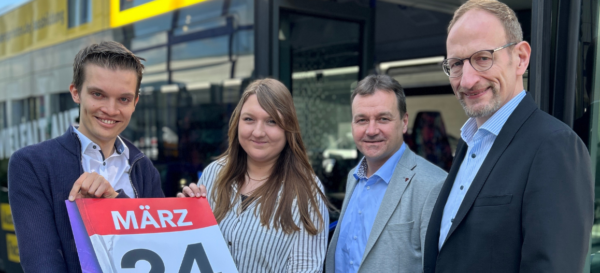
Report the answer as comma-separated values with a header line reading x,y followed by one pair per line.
x,y
269,203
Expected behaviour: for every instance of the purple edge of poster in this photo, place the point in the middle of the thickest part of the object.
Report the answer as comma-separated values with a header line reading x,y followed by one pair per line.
x,y
87,257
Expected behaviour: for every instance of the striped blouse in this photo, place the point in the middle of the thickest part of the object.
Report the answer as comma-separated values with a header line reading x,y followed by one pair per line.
x,y
256,249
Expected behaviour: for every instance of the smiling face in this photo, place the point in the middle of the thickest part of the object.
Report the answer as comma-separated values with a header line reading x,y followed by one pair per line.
x,y
483,93
107,101
259,135
377,126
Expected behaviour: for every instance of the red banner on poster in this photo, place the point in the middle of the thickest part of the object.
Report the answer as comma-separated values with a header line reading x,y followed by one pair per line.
x,y
169,234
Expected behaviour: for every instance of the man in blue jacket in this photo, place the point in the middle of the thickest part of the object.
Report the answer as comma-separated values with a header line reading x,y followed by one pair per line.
x,y
89,161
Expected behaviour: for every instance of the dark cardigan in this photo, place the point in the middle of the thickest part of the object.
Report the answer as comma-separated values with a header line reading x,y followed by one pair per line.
x,y
40,178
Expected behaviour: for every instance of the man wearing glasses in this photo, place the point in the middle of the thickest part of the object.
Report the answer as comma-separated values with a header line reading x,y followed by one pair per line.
x,y
519,195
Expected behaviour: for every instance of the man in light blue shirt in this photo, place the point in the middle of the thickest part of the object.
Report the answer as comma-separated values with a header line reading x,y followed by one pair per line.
x,y
390,194
479,142
519,194
361,212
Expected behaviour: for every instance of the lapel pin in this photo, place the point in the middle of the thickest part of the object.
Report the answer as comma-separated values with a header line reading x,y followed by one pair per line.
x,y
406,179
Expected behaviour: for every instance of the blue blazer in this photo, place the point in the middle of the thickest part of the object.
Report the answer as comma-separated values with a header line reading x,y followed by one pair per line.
x,y
40,178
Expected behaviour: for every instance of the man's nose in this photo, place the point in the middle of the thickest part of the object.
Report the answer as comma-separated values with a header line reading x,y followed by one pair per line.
x,y
469,76
111,108
372,129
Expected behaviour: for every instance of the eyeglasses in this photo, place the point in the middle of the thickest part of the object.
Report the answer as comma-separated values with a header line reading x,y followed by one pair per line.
x,y
480,61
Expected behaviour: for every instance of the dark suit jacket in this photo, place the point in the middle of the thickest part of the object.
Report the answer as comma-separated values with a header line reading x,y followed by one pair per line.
x,y
529,208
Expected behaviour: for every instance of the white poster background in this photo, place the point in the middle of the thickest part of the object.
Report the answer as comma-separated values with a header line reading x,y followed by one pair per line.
x,y
170,246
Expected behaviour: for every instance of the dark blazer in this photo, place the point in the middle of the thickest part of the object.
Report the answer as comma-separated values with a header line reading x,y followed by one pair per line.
x,y
529,208
40,178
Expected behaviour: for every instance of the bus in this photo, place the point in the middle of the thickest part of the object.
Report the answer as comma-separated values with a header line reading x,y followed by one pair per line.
x,y
201,54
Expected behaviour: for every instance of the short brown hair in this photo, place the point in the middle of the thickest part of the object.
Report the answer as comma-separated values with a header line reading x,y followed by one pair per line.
x,y
506,15
107,54
371,83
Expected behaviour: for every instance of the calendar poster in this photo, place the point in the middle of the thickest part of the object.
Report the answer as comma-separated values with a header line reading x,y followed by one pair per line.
x,y
148,235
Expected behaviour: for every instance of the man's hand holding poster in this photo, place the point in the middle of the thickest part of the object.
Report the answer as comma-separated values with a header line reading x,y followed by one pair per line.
x,y
169,234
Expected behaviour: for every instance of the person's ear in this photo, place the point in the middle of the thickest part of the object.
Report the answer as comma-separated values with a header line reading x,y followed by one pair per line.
x,y
405,123
75,93
137,98
522,51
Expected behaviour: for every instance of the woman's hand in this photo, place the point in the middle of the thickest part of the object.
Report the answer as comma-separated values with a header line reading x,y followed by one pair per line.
x,y
192,191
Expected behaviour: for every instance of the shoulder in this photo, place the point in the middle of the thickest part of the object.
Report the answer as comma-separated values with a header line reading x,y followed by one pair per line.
x,y
427,181
39,162
428,178
210,173
144,164
213,168
318,183
133,151
351,172
47,151
428,171
137,157
135,154
560,142
548,130
542,123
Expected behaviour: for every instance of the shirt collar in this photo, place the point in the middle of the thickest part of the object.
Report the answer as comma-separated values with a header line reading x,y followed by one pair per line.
x,y
386,171
495,123
120,146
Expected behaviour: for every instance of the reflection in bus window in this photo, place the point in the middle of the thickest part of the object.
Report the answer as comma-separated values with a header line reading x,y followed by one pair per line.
x,y
80,12
127,4
587,111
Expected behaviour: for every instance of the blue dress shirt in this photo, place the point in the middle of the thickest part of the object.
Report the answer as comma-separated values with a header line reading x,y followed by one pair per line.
x,y
479,142
361,212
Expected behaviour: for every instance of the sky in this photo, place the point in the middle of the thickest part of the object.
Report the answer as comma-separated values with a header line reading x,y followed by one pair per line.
x,y
7,5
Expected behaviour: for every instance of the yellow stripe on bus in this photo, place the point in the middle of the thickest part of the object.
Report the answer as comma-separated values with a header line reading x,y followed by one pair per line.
x,y
119,18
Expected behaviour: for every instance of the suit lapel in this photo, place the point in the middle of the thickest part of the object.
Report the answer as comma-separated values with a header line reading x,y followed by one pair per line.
x,y
435,222
349,190
402,176
351,183
510,128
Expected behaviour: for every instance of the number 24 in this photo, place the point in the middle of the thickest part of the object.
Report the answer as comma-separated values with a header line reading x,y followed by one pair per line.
x,y
194,252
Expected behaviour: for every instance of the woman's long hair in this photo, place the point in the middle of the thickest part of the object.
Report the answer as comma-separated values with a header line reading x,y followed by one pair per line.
x,y
292,172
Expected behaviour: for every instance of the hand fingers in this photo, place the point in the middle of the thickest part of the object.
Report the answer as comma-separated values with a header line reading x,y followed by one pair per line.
x,y
180,195
103,190
94,189
203,190
109,192
195,190
87,183
198,190
187,192
77,187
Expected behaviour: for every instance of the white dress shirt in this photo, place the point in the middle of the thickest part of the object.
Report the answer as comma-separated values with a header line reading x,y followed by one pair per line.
x,y
115,168
479,142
